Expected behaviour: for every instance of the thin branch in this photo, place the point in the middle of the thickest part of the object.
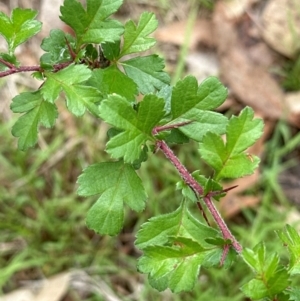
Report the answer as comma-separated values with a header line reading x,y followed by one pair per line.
x,y
224,254
221,224
186,176
13,69
7,64
60,66
196,187
20,69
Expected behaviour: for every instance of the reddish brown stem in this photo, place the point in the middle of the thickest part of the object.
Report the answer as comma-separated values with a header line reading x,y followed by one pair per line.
x,y
196,187
224,254
221,224
7,64
13,69
20,69
72,53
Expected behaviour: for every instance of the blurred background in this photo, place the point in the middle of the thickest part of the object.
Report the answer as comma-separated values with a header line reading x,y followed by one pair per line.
x,y
46,251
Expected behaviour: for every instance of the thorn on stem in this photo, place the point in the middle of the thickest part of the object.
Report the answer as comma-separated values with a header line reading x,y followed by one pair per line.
x,y
224,254
213,193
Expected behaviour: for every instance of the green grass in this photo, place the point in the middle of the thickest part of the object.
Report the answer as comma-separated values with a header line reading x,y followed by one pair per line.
x,y
291,75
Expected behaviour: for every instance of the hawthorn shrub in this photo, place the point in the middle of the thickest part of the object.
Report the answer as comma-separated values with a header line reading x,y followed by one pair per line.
x,y
94,73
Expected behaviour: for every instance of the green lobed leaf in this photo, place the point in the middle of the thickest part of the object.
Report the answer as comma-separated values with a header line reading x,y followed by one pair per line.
x,y
279,281
202,122
271,278
181,265
242,131
291,239
20,27
25,102
176,137
192,103
187,95
118,183
257,289
91,25
283,296
70,80
136,125
175,246
143,158
111,80
160,284
37,112
56,47
228,159
136,36
159,229
294,293
212,92
258,260
147,72
166,94
213,258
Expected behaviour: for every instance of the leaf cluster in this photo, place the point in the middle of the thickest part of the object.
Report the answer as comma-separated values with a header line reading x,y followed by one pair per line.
x,y
175,246
229,159
100,70
17,29
273,279
85,68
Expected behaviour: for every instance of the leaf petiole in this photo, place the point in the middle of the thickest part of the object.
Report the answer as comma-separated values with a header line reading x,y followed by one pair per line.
x,y
7,64
72,53
158,129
